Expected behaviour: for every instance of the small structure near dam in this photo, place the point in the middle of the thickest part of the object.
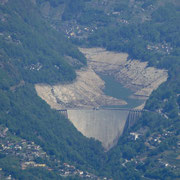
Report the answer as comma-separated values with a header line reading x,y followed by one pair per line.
x,y
105,125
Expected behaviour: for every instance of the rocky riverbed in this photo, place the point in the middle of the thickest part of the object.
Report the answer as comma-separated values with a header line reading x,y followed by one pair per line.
x,y
86,90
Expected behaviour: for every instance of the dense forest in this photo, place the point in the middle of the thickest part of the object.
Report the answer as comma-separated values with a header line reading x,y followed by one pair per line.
x,y
33,52
36,45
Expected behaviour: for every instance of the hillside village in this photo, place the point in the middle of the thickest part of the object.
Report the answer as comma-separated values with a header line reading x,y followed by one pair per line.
x,y
155,145
30,155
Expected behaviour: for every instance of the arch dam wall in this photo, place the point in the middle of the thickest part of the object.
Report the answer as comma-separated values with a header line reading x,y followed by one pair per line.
x,y
105,125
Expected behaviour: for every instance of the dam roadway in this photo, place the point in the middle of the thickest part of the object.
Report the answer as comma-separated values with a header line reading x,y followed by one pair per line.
x,y
103,124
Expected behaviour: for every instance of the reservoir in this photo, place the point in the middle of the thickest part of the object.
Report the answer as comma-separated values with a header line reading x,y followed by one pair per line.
x,y
115,89
105,125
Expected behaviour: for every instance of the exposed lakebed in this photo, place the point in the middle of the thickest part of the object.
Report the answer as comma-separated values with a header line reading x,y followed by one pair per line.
x,y
90,91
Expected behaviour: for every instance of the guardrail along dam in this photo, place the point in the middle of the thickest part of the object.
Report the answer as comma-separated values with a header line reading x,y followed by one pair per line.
x,y
105,125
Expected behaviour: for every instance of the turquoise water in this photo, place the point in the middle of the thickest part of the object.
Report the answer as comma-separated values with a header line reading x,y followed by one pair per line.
x,y
115,89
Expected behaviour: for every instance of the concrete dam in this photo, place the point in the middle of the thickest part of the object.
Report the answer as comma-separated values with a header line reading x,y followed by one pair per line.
x,y
105,125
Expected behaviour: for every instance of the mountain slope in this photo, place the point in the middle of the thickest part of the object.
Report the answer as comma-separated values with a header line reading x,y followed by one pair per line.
x,y
36,50
32,52
148,31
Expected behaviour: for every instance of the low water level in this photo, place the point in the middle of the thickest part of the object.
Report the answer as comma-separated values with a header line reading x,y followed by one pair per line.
x,y
115,89
105,125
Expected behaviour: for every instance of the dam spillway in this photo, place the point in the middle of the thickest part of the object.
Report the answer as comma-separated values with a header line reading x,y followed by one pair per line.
x,y
105,125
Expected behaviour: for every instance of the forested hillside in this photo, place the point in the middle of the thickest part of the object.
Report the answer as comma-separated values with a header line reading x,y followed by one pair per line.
x,y
36,47
31,51
148,31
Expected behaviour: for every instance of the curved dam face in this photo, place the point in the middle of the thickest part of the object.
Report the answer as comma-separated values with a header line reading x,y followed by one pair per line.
x,y
103,125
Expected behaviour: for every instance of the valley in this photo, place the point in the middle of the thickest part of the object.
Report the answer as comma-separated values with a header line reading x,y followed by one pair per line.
x,y
85,98
89,89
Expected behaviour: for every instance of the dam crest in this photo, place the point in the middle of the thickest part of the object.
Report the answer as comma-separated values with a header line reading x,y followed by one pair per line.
x,y
103,124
